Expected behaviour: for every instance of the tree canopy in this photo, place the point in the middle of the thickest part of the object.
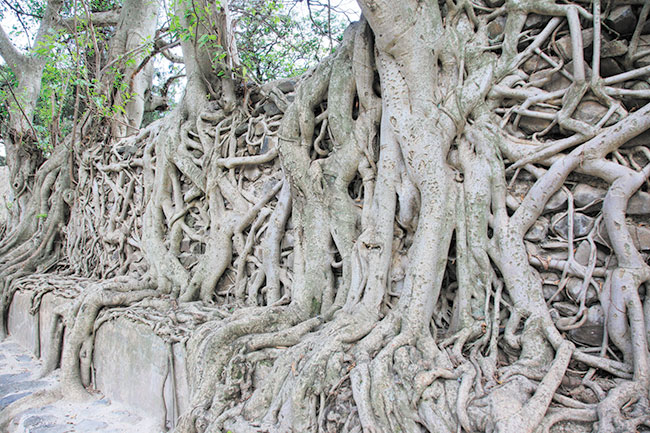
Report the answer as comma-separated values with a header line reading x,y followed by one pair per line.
x,y
276,40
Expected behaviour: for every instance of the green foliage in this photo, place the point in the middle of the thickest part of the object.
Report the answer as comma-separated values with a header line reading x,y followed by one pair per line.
x,y
53,115
103,5
276,40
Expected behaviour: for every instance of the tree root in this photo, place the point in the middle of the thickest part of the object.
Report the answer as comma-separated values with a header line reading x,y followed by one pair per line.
x,y
381,245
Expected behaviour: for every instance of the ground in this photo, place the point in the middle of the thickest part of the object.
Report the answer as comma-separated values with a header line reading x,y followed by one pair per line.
x,y
18,378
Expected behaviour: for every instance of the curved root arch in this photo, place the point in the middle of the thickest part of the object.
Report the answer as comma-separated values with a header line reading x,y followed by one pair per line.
x,y
439,228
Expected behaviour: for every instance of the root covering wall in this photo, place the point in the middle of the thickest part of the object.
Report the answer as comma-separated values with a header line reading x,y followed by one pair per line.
x,y
130,363
441,227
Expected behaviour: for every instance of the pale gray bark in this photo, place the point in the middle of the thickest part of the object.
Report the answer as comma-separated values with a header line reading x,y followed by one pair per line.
x,y
136,27
374,249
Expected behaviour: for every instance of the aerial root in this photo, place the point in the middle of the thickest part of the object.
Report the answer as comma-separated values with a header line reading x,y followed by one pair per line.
x,y
225,355
532,412
308,380
118,292
566,414
624,409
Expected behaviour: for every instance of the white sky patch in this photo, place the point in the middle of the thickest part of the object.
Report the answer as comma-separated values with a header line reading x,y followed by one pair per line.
x,y
16,32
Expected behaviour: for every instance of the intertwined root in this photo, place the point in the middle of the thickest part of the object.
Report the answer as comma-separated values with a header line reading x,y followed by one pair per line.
x,y
419,234
400,376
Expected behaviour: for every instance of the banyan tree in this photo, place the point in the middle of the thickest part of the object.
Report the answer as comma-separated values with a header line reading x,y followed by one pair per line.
x,y
440,227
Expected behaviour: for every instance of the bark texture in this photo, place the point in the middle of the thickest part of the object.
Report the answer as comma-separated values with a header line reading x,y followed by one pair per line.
x,y
441,227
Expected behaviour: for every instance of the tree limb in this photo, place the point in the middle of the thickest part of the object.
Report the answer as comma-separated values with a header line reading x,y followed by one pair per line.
x,y
50,19
98,19
9,52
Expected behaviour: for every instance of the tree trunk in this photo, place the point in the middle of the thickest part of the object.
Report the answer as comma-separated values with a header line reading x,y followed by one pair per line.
x,y
24,153
372,249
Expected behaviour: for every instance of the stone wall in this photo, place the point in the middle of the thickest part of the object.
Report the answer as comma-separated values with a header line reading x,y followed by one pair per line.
x,y
131,364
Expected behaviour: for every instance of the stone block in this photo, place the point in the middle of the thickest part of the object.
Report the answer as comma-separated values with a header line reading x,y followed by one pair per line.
x,y
21,324
609,67
132,366
538,231
622,19
287,86
639,203
564,44
49,303
582,225
271,109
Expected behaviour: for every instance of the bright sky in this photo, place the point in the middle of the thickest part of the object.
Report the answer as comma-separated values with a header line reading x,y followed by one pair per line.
x,y
350,6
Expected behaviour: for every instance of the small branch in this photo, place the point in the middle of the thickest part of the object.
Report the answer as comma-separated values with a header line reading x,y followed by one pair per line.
x,y
247,160
615,91
635,73
19,11
94,38
163,48
595,63
19,15
634,42
536,44
576,45
168,83
122,57
157,49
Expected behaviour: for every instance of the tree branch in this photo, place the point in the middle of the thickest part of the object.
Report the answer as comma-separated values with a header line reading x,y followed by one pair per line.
x,y
49,21
98,19
20,13
9,52
163,48
20,107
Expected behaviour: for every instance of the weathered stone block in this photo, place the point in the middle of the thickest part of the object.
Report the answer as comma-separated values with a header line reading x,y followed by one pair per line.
x,y
582,224
538,231
622,19
22,325
639,203
49,304
133,366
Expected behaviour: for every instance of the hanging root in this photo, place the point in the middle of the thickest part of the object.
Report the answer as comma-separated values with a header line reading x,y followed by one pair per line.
x,y
440,227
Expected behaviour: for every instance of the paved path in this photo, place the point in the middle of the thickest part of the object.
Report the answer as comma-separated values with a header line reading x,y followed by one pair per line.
x,y
18,379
